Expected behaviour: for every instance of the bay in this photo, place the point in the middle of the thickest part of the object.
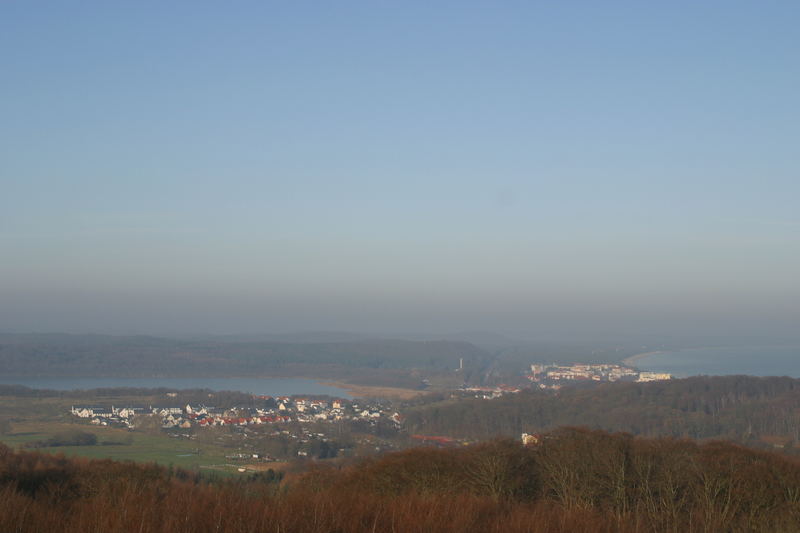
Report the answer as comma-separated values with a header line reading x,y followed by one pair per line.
x,y
721,361
261,386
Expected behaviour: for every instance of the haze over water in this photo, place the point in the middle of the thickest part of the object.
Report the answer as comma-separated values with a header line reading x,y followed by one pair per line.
x,y
260,386
750,360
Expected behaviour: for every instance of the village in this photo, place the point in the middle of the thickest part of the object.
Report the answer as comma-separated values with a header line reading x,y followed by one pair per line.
x,y
279,410
554,376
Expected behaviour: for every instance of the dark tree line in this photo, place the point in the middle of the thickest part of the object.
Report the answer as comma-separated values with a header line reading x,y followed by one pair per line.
x,y
735,407
574,480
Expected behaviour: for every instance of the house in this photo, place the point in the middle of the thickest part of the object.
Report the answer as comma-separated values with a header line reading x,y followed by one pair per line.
x,y
530,439
90,411
164,411
653,376
127,412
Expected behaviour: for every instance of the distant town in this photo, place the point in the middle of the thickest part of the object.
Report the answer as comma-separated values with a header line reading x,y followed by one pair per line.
x,y
554,376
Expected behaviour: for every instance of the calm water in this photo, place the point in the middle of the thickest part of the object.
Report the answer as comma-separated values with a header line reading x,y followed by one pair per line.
x,y
753,360
266,386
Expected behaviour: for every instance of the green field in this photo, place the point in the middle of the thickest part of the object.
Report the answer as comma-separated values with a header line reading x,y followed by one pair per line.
x,y
143,447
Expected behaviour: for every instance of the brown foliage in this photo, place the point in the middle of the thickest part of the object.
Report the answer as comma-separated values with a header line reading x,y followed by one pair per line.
x,y
574,481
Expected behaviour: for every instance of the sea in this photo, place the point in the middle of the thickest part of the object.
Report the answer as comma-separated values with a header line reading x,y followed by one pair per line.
x,y
261,386
722,361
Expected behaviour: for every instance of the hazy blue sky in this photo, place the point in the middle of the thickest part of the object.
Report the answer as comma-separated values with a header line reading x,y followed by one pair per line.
x,y
539,167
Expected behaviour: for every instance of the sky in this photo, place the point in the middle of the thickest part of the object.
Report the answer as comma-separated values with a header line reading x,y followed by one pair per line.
x,y
550,169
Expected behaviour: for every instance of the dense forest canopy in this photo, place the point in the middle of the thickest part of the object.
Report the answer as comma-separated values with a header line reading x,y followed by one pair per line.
x,y
737,407
573,481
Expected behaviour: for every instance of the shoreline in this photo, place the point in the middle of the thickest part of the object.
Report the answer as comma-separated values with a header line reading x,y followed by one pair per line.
x,y
189,383
631,360
369,391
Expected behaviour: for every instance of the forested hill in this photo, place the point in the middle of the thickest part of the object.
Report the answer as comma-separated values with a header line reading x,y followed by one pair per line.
x,y
91,355
738,407
573,481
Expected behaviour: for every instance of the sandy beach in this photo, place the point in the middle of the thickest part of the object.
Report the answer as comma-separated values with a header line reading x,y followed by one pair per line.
x,y
631,361
366,391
